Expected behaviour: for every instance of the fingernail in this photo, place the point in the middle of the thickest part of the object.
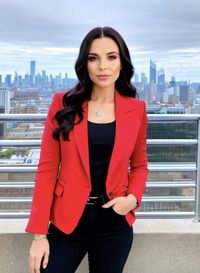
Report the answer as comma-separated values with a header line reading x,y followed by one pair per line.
x,y
44,266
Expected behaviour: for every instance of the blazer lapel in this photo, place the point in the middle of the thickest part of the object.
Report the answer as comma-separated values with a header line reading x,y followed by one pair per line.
x,y
123,132
81,138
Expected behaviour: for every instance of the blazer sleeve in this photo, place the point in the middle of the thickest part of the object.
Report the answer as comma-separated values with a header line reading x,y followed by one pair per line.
x,y
138,169
46,174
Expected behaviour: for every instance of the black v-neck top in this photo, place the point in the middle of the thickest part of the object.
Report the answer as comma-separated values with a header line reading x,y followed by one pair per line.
x,y
101,137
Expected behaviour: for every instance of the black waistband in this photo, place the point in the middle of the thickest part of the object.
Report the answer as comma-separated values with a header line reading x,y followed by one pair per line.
x,y
96,200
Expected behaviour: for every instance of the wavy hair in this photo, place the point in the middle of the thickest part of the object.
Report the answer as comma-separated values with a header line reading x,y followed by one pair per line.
x,y
73,99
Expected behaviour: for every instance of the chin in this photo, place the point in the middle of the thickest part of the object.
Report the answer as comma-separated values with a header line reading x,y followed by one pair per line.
x,y
104,84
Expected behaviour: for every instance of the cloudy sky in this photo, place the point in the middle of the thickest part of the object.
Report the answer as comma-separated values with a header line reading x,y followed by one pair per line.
x,y
50,32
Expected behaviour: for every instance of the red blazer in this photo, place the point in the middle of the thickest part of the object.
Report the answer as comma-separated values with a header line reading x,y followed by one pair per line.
x,y
61,198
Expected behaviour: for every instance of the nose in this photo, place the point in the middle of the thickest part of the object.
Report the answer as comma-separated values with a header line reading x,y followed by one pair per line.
x,y
103,64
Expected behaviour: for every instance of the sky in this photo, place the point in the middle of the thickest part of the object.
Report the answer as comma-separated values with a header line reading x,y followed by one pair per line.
x,y
50,32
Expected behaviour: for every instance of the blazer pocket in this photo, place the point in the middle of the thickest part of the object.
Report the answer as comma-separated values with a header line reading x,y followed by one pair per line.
x,y
59,189
62,179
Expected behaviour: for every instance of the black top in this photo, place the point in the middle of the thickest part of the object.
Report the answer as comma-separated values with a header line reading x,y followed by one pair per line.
x,y
101,138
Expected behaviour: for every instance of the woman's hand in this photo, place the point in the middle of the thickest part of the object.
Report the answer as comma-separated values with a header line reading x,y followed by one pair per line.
x,y
39,249
123,204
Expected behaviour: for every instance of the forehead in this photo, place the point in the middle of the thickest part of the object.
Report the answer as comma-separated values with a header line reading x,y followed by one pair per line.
x,y
103,45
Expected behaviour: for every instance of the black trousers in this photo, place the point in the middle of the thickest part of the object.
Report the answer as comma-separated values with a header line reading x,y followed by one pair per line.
x,y
102,233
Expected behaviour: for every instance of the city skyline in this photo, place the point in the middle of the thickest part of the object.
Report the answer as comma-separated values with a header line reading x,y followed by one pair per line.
x,y
137,77
51,33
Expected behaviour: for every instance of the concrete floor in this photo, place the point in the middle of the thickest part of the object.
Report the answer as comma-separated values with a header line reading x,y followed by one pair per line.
x,y
151,253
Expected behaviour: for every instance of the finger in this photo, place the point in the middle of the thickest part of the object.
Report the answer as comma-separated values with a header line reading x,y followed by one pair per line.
x,y
109,204
46,259
37,265
31,264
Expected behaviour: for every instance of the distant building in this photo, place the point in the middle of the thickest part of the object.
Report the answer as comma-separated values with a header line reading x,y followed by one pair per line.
x,y
175,110
172,82
8,81
161,80
173,99
198,89
29,97
184,93
32,68
26,131
5,99
32,73
24,109
2,124
136,77
33,156
16,80
152,72
195,109
143,79
159,109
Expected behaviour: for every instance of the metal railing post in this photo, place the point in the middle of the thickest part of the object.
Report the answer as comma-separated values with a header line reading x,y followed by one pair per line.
x,y
197,205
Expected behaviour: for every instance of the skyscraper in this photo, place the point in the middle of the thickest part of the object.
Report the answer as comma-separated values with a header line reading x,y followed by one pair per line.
x,y
32,72
136,77
184,93
8,80
152,72
16,79
161,80
32,68
143,78
172,82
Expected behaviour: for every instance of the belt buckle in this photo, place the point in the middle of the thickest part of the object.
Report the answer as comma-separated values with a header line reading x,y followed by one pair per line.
x,y
90,199
93,200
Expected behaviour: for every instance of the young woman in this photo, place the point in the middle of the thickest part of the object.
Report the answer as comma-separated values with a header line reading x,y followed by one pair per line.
x,y
93,164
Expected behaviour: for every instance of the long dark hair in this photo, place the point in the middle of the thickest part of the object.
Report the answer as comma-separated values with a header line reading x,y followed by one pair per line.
x,y
73,99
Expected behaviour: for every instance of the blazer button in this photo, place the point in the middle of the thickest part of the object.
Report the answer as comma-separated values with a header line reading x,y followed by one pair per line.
x,y
110,193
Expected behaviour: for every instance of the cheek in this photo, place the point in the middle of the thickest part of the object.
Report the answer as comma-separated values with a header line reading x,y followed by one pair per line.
x,y
116,68
91,69
88,68
116,71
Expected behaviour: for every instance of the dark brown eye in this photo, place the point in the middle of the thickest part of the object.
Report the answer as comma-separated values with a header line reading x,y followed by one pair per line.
x,y
112,57
91,58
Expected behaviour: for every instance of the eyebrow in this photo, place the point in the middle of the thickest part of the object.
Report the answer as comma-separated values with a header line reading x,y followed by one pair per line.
x,y
91,53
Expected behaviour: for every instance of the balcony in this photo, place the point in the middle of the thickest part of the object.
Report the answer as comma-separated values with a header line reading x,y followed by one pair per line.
x,y
167,227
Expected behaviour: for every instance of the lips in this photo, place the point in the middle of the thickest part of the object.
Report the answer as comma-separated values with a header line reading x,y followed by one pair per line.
x,y
103,77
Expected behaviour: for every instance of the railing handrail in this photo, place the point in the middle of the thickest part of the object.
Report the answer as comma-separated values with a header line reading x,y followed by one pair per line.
x,y
173,117
149,185
152,167
151,117
23,117
37,142
145,199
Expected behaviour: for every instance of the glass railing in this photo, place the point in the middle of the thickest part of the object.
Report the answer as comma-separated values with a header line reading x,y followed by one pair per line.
x,y
174,163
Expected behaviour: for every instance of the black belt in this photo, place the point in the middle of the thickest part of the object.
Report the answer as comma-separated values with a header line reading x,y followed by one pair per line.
x,y
96,200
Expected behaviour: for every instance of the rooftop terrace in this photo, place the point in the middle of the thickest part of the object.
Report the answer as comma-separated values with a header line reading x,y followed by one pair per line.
x,y
167,232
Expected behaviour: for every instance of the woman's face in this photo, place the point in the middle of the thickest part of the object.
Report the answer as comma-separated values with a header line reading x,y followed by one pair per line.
x,y
104,62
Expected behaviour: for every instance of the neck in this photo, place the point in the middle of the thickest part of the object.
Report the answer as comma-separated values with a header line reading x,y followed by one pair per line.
x,y
103,95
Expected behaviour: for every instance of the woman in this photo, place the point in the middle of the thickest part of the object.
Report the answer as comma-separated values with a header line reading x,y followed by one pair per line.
x,y
93,164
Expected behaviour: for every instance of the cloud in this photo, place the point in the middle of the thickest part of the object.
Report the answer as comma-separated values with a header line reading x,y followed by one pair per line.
x,y
164,30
